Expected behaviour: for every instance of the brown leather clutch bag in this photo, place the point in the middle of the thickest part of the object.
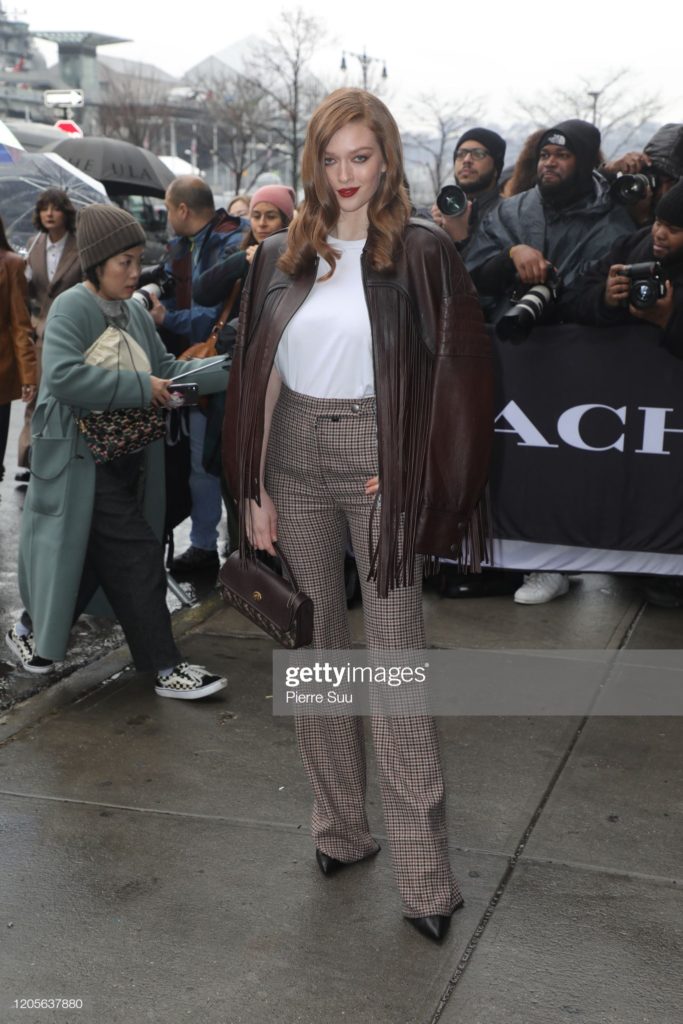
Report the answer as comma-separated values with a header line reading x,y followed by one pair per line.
x,y
273,603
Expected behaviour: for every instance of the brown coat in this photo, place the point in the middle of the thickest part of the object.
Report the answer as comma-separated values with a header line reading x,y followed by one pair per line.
x,y
17,353
42,290
434,386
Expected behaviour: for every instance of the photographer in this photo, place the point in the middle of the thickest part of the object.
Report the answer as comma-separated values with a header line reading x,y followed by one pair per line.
x,y
543,237
203,236
652,172
478,160
568,219
604,295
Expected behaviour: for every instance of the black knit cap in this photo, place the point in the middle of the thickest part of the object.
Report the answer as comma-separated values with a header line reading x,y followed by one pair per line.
x,y
579,137
491,141
670,206
103,231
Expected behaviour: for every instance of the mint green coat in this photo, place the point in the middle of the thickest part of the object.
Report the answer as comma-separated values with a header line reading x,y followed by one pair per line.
x,y
58,509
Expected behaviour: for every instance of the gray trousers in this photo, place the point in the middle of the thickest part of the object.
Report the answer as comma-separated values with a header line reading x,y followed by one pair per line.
x,y
320,455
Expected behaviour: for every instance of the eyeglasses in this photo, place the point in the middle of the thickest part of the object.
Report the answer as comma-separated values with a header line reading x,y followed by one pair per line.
x,y
476,154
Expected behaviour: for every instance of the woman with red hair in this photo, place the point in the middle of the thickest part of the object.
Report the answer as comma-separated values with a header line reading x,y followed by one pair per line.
x,y
360,399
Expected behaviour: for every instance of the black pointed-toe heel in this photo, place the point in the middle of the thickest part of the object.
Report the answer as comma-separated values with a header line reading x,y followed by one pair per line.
x,y
330,866
434,926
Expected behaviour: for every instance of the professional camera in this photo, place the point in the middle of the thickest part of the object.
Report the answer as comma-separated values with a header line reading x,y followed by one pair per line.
x,y
154,280
647,283
516,325
452,201
631,188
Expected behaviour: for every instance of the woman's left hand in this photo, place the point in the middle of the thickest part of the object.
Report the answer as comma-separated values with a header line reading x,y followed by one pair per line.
x,y
161,396
372,486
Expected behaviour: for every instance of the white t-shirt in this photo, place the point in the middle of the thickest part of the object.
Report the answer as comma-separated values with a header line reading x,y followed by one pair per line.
x,y
326,349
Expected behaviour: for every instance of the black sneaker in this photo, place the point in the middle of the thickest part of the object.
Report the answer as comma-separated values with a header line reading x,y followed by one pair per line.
x,y
189,682
195,560
24,648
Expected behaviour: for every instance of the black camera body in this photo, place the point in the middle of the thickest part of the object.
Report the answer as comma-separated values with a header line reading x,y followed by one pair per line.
x,y
647,283
452,201
631,188
528,309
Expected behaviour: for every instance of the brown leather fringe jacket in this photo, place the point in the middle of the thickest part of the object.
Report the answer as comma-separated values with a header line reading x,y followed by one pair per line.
x,y
434,388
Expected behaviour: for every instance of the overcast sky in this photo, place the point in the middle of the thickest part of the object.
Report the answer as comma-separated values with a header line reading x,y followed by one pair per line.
x,y
498,50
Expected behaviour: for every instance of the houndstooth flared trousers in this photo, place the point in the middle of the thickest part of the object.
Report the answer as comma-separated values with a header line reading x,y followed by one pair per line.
x,y
320,455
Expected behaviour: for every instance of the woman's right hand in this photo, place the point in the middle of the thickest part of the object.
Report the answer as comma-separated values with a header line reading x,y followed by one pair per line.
x,y
617,286
261,523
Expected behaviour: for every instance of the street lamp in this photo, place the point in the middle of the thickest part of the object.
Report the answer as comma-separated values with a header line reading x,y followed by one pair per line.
x,y
595,97
365,62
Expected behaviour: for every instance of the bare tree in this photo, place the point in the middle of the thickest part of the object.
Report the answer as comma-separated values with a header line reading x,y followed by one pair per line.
x,y
613,105
234,127
135,109
433,144
280,67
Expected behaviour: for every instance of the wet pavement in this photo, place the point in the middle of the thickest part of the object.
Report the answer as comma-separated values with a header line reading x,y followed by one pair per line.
x,y
157,864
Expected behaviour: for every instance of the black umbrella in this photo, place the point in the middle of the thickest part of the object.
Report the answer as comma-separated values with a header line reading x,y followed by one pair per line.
x,y
124,169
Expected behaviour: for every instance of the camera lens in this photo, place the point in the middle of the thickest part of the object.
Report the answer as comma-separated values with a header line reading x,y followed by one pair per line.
x,y
630,188
643,294
452,201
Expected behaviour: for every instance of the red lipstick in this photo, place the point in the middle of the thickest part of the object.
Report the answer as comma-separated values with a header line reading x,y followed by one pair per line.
x,y
346,193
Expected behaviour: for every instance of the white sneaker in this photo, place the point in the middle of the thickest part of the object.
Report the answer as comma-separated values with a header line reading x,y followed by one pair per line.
x,y
541,587
24,647
189,682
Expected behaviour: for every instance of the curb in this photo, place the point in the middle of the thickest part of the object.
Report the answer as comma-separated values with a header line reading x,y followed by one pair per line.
x,y
81,682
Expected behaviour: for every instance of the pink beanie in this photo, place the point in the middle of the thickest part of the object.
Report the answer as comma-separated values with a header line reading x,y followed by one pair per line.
x,y
279,195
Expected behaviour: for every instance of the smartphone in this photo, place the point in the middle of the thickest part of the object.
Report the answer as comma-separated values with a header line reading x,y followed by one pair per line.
x,y
183,394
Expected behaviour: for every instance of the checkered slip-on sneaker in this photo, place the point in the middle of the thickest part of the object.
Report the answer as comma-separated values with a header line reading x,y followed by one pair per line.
x,y
24,648
189,682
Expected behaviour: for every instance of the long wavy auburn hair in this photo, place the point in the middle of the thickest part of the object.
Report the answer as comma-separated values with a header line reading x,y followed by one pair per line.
x,y
389,208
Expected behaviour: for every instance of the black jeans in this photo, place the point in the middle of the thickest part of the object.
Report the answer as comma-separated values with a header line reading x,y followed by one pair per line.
x,y
4,431
125,558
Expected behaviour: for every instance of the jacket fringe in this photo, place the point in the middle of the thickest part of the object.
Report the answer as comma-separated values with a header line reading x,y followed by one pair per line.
x,y
403,382
476,543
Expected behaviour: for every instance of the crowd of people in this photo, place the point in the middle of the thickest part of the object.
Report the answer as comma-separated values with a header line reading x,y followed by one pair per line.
x,y
568,221
359,406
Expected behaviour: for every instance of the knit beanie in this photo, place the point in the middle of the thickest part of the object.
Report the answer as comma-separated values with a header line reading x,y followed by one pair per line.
x,y
489,140
670,206
278,195
579,137
103,231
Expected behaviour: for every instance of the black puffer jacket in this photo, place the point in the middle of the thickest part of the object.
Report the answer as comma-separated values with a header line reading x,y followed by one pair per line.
x,y
569,237
586,299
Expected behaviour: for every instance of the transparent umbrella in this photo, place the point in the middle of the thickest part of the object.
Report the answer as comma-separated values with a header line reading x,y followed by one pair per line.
x,y
25,176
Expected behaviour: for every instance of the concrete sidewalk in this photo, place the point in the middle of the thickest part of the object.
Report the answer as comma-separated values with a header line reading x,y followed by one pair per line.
x,y
157,863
